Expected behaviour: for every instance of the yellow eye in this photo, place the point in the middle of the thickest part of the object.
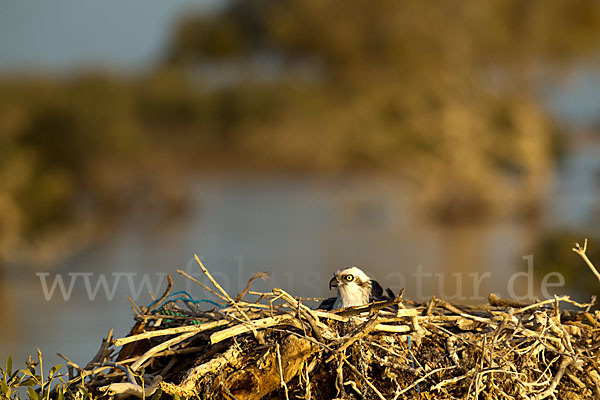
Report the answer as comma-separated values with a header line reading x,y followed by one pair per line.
x,y
349,278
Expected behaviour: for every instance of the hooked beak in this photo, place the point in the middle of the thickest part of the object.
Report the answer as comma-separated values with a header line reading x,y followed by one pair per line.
x,y
333,283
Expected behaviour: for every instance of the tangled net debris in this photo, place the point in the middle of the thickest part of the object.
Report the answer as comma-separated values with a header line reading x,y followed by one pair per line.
x,y
272,346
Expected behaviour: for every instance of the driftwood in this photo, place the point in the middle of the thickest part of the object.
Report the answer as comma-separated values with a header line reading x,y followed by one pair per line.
x,y
253,382
275,346
126,389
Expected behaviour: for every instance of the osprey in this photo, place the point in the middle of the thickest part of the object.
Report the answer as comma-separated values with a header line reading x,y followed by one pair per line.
x,y
354,288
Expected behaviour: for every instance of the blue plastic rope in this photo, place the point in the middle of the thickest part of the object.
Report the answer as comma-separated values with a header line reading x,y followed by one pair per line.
x,y
188,297
412,361
214,303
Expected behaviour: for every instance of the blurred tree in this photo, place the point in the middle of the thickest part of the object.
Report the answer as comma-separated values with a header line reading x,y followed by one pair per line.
x,y
441,92
444,92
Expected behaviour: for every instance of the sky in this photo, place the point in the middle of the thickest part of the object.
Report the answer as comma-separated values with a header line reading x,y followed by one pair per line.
x,y
65,35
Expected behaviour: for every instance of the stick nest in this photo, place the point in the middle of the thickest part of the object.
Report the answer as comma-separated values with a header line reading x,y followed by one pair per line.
x,y
273,346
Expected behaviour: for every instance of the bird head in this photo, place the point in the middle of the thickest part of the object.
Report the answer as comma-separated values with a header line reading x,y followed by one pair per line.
x,y
353,286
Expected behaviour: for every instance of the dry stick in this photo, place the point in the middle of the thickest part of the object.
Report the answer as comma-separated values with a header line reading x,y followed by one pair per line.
x,y
566,361
259,275
581,251
352,384
448,381
362,331
495,300
392,328
415,383
307,313
187,350
408,312
102,350
430,306
566,299
307,393
458,311
339,381
266,294
126,389
591,320
360,375
171,331
164,295
236,330
213,281
71,363
283,384
593,374
188,384
253,305
134,306
220,289
82,372
163,346
180,272
369,307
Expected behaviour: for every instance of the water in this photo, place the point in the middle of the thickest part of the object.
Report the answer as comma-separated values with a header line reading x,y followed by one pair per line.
x,y
301,229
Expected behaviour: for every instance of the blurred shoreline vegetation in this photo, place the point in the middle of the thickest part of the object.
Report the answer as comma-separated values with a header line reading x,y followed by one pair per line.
x,y
441,94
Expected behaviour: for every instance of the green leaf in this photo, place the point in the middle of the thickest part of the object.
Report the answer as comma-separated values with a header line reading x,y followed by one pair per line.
x,y
27,372
9,366
3,388
61,394
32,394
55,368
28,382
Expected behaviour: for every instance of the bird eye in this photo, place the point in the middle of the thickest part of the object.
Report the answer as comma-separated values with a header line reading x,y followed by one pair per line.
x,y
349,278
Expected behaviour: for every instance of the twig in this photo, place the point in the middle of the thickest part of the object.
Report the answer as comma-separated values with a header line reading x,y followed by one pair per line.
x,y
362,331
339,380
582,253
307,392
415,383
565,362
306,312
259,275
164,295
102,351
171,331
135,307
497,301
566,299
213,281
247,327
378,305
225,294
283,384
364,378
157,349
183,273
124,389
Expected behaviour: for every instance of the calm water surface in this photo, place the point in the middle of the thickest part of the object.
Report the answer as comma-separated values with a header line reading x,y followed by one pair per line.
x,y
301,229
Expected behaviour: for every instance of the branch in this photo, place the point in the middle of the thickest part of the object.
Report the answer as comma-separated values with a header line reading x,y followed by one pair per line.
x,y
581,251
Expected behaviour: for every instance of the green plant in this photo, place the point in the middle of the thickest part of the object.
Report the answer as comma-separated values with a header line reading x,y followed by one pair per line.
x,y
32,382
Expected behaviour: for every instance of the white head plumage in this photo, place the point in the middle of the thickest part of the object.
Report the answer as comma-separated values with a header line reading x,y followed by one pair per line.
x,y
353,287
